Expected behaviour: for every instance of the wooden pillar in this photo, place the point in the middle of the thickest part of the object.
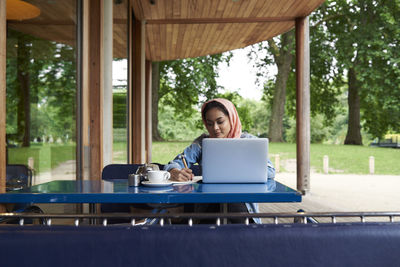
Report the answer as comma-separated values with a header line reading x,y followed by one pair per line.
x,y
148,111
3,87
107,82
303,104
95,89
136,121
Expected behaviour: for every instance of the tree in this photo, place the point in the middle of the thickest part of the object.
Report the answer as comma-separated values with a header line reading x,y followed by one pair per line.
x,y
361,43
280,53
40,82
183,83
282,89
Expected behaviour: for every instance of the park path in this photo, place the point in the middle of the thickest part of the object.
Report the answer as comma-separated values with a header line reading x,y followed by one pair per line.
x,y
342,193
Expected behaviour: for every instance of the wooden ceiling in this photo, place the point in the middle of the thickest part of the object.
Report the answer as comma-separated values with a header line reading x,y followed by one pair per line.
x,y
57,22
178,28
192,28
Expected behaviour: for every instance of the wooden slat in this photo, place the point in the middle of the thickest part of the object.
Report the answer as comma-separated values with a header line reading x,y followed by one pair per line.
x,y
137,118
3,45
95,89
84,165
209,39
148,133
176,10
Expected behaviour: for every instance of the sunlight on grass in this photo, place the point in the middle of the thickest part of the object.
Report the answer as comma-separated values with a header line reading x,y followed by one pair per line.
x,y
342,159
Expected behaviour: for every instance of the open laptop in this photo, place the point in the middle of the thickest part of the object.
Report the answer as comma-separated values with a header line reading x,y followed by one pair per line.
x,y
242,160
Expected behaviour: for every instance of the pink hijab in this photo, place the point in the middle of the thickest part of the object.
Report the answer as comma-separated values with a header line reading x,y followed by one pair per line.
x,y
236,126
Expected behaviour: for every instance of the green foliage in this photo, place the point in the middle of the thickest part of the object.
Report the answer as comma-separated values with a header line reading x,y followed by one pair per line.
x,y
119,110
173,127
51,69
318,131
362,35
185,83
252,116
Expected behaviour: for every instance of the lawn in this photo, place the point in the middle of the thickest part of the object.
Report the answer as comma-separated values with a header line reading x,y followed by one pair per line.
x,y
46,156
342,159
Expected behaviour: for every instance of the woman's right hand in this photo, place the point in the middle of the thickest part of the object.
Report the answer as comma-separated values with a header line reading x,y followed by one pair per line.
x,y
181,175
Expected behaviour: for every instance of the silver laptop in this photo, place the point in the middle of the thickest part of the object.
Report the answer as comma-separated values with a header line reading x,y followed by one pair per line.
x,y
242,160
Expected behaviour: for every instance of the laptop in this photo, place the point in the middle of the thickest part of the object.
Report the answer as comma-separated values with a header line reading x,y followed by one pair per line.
x,y
241,160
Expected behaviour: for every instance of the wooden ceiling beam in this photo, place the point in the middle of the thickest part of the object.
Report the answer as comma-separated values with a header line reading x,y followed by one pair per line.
x,y
57,22
219,20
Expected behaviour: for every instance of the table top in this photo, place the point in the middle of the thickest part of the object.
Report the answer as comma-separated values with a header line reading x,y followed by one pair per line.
x,y
118,191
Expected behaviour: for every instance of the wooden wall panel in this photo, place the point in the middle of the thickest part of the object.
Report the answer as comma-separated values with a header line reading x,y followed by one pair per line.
x,y
3,44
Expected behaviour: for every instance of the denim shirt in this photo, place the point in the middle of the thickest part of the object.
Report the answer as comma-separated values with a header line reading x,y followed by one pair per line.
x,y
193,155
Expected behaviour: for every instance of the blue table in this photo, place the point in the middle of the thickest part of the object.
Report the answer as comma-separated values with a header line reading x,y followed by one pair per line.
x,y
118,191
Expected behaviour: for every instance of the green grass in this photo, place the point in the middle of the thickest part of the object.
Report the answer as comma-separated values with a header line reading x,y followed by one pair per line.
x,y
342,159
355,159
163,152
46,157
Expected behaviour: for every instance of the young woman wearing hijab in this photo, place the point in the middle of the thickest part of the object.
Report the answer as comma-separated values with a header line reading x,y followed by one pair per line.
x,y
221,121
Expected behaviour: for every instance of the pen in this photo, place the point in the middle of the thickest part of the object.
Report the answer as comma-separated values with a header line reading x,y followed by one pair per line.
x,y
184,161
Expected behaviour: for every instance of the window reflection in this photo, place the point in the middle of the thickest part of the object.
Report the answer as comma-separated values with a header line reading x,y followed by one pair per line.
x,y
120,81
41,91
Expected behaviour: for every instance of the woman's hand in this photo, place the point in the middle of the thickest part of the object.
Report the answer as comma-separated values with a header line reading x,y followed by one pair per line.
x,y
181,175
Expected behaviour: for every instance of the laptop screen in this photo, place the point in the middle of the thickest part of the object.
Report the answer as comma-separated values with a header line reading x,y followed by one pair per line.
x,y
241,160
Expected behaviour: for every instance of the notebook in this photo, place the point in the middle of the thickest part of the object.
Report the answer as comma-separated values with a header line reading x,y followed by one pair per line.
x,y
242,160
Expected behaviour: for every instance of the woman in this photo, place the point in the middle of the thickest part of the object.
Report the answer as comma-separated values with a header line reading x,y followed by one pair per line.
x,y
221,121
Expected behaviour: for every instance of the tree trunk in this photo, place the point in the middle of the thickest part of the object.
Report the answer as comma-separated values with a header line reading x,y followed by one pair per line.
x,y
283,59
353,136
24,108
155,87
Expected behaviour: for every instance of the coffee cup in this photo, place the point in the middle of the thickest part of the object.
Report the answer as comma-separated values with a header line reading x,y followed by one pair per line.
x,y
158,176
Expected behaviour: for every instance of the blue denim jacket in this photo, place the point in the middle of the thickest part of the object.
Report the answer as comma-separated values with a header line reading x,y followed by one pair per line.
x,y
193,155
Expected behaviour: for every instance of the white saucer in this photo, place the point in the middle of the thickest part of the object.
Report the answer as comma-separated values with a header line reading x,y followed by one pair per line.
x,y
149,184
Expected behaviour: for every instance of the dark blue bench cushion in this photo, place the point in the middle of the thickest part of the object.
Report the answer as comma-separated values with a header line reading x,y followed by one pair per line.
x,y
202,245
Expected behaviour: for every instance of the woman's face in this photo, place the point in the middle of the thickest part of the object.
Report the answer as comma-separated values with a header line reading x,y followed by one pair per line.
x,y
217,123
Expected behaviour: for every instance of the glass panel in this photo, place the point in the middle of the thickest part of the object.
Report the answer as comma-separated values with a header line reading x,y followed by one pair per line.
x,y
41,91
120,81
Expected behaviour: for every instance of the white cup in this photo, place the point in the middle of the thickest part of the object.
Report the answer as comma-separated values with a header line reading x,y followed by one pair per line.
x,y
158,176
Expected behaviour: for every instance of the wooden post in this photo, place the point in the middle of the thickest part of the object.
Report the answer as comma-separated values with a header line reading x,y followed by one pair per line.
x,y
137,128
3,43
303,104
277,163
148,111
326,164
371,165
95,88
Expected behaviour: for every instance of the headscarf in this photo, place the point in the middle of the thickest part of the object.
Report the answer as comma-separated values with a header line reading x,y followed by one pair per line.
x,y
236,126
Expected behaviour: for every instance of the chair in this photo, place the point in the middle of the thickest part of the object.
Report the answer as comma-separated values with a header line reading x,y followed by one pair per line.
x,y
121,171
196,170
18,176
